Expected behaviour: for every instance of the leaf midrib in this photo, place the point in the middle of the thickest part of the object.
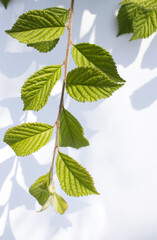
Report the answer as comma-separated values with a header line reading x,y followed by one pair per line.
x,y
84,185
17,141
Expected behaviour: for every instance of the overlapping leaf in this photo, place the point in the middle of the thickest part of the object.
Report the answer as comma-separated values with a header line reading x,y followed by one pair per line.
x,y
44,46
58,203
40,190
71,132
147,4
28,137
91,55
36,90
125,18
73,178
138,17
89,84
37,26
145,24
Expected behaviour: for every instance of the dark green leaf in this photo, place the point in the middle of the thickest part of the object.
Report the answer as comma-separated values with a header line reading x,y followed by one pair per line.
x,y
5,2
71,133
44,46
125,18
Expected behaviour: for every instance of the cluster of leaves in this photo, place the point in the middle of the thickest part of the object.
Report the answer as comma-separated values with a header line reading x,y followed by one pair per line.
x,y
94,78
138,17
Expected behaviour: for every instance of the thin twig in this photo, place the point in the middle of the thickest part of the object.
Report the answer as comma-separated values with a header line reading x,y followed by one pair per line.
x,y
69,42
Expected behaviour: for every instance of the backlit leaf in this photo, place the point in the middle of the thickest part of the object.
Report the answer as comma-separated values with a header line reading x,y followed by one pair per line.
x,y
89,84
147,4
36,90
37,26
28,137
74,179
44,47
58,203
91,55
144,24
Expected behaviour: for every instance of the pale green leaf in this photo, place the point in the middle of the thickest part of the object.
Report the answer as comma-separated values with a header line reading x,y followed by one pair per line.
x,y
5,2
28,137
147,4
144,24
71,132
91,55
37,26
125,18
74,179
46,205
44,46
36,90
58,203
89,84
40,190
39,193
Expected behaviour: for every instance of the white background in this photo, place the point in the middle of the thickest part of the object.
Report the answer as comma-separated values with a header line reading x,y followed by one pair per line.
x,y
122,156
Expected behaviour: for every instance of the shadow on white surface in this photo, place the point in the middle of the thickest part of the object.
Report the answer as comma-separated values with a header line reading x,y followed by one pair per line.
x,y
15,60
145,96
150,56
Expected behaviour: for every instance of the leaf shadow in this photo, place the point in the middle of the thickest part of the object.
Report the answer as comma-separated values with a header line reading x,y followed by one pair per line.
x,y
148,61
20,60
145,95
105,35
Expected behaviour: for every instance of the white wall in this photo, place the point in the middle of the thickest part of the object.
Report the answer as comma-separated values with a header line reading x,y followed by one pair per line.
x,y
122,133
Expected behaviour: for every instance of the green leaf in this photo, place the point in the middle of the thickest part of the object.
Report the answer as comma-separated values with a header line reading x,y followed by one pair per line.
x,y
28,137
36,90
144,24
37,26
61,12
89,84
40,191
44,46
73,178
91,55
147,4
125,18
71,133
58,203
5,2
40,194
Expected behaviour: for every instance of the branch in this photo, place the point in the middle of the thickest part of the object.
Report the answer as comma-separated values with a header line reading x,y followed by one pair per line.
x,y
69,42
